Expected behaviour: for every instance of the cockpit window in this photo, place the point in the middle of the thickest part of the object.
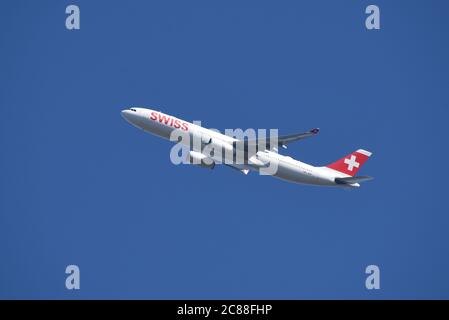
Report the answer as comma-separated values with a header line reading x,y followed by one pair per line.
x,y
132,109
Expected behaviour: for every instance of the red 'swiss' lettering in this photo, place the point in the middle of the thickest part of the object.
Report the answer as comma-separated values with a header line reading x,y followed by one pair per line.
x,y
163,118
172,122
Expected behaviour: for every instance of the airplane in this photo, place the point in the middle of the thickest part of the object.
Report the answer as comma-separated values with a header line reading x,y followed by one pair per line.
x,y
257,157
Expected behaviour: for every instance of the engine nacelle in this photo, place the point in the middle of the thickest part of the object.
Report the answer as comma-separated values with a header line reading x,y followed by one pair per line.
x,y
205,139
200,160
221,151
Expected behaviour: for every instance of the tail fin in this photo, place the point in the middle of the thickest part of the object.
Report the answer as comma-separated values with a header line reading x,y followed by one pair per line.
x,y
351,163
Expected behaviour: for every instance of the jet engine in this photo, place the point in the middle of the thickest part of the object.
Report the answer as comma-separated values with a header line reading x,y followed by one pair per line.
x,y
201,160
205,139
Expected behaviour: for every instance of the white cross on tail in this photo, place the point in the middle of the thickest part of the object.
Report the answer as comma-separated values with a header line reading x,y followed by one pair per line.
x,y
352,163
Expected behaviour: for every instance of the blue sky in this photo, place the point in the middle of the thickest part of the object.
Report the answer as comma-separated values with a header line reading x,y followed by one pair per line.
x,y
78,185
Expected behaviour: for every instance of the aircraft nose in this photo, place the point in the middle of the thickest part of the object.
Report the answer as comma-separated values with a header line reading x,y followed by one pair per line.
x,y
131,115
125,113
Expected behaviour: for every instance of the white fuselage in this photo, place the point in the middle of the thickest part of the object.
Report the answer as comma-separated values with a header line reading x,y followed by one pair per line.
x,y
287,168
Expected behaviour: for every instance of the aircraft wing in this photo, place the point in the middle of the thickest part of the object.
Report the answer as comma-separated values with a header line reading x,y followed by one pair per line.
x,y
284,140
245,171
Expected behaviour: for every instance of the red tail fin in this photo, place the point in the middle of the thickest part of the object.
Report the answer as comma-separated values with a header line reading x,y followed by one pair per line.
x,y
351,163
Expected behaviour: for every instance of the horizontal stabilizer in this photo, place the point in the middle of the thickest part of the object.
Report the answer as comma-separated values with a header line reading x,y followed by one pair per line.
x,y
351,180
